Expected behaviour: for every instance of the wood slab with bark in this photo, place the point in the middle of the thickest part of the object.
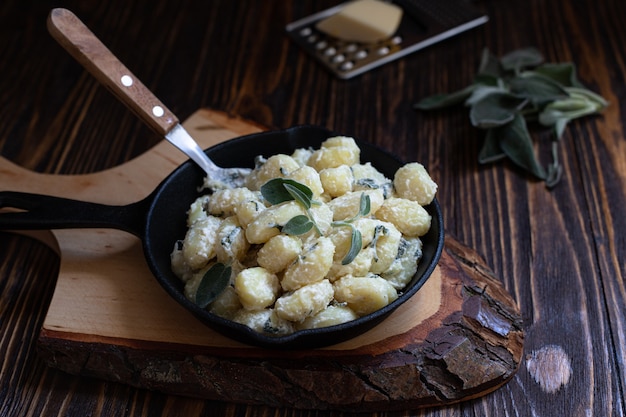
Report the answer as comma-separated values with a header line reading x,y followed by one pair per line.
x,y
458,338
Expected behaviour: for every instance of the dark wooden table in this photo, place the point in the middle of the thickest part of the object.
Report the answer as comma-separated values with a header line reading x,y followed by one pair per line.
x,y
559,252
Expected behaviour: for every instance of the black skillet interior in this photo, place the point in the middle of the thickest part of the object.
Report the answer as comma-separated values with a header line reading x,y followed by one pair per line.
x,y
166,224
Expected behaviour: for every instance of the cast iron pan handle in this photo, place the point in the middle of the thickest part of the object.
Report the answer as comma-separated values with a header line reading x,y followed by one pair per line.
x,y
41,212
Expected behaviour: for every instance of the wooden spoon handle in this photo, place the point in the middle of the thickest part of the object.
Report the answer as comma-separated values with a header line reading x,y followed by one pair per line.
x,y
96,58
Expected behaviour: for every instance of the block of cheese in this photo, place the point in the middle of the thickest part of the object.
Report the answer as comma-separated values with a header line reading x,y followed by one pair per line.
x,y
363,21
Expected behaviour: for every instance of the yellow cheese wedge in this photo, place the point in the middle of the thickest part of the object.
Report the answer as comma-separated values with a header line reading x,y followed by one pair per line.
x,y
364,21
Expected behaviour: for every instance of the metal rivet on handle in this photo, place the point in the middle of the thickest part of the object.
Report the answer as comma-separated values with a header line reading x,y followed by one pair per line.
x,y
158,111
127,80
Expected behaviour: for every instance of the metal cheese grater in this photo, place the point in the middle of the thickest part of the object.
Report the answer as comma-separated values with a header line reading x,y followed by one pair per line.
x,y
424,22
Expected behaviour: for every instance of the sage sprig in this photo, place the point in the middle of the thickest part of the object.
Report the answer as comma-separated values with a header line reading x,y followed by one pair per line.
x,y
214,281
280,190
509,93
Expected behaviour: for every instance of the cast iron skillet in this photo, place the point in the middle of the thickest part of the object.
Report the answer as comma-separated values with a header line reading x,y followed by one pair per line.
x,y
159,221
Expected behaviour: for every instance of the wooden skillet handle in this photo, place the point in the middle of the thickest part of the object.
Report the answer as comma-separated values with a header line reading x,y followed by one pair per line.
x,y
96,58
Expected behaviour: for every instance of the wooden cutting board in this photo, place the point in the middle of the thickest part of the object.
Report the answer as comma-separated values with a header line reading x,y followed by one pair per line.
x,y
458,338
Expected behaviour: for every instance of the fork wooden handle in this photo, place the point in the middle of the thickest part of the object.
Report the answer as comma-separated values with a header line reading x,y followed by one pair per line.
x,y
95,57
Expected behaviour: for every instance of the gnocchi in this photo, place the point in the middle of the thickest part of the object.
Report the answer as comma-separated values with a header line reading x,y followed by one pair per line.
x,y
296,265
256,287
364,295
407,215
332,315
305,302
311,266
412,182
278,252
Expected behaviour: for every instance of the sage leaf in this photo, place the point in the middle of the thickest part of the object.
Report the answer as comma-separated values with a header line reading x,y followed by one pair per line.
x,y
299,195
555,170
559,128
364,205
439,101
516,143
489,68
482,91
563,73
275,192
214,281
297,225
487,80
522,58
581,102
491,151
356,244
496,109
583,93
517,88
539,90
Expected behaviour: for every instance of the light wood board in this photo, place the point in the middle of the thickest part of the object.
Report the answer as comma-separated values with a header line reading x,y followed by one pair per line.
x,y
459,337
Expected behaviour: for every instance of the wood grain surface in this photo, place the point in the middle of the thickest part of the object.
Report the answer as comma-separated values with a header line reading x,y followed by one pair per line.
x,y
560,252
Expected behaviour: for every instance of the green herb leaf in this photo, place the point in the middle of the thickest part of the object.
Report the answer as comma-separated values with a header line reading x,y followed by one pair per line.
x,y
539,90
495,109
489,68
563,73
522,58
598,101
581,102
555,170
214,281
559,128
487,80
297,225
491,151
519,87
364,205
483,91
516,143
280,190
439,101
300,196
356,244
275,192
